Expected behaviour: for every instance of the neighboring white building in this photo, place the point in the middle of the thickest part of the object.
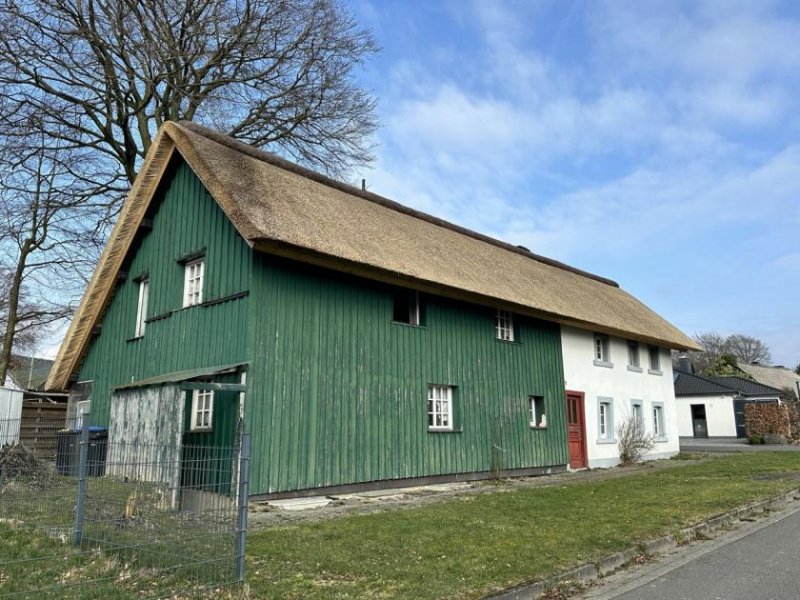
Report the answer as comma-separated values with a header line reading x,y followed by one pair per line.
x,y
617,379
714,406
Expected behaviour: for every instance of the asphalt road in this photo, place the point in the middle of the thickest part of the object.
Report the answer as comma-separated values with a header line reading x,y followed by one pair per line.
x,y
757,562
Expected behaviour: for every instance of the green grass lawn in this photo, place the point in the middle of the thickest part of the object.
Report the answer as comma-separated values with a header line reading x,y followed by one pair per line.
x,y
477,544
461,548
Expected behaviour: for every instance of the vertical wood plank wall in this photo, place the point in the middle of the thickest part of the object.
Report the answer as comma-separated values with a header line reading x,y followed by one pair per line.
x,y
185,219
339,391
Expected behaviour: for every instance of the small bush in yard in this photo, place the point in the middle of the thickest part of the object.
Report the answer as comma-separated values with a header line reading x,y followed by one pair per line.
x,y
755,438
634,441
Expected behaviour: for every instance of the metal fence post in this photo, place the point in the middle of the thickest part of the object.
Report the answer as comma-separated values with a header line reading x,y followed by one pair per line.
x,y
83,456
244,490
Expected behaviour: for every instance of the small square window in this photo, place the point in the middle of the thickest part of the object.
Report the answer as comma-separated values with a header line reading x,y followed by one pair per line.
x,y
538,415
193,282
406,307
633,354
504,325
440,408
141,307
202,409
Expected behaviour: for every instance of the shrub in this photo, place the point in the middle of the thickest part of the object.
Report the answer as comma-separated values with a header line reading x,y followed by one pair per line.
x,y
634,441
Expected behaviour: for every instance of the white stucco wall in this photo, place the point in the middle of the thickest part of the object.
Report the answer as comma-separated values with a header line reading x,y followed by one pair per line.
x,y
622,386
720,418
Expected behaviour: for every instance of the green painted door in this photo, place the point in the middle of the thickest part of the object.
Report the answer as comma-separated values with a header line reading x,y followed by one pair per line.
x,y
209,452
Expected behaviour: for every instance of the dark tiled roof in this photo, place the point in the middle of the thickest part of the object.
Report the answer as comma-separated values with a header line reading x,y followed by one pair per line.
x,y
689,384
747,387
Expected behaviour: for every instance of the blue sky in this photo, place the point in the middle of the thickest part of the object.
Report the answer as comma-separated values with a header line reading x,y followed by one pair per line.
x,y
656,143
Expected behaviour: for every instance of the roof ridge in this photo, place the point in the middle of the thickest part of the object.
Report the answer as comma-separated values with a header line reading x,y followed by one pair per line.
x,y
275,160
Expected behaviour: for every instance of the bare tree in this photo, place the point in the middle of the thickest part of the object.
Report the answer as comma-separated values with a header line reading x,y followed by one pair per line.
x,y
85,85
106,75
748,349
744,348
48,241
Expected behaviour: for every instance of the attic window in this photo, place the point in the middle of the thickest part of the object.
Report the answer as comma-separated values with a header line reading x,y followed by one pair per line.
x,y
193,282
504,326
406,307
655,360
141,307
602,356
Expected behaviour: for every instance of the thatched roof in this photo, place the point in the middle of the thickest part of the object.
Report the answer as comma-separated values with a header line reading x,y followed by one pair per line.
x,y
776,377
281,208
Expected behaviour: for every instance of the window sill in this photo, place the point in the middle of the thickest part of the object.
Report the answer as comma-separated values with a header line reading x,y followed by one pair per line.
x,y
508,342
655,372
660,440
538,427
441,430
602,363
606,441
135,339
412,325
204,304
201,430
634,369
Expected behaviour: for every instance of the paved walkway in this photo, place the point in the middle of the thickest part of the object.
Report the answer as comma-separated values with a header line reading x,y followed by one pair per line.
x,y
319,508
756,561
731,445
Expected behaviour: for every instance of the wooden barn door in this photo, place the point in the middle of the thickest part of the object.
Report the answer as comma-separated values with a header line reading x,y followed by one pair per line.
x,y
576,430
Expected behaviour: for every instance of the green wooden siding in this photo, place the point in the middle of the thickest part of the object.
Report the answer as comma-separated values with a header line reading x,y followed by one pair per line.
x,y
185,220
338,392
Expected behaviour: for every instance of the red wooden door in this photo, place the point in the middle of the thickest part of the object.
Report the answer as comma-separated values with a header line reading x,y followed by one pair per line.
x,y
576,430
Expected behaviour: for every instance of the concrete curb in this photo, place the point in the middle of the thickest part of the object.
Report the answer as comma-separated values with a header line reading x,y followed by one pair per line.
x,y
590,572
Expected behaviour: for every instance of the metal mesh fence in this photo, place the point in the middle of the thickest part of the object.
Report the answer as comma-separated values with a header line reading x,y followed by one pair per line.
x,y
84,517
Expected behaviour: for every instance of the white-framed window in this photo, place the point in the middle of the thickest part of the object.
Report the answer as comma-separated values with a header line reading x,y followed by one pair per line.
x,y
633,354
440,408
537,412
601,353
141,307
504,325
193,282
637,412
202,410
655,359
406,307
605,419
659,431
